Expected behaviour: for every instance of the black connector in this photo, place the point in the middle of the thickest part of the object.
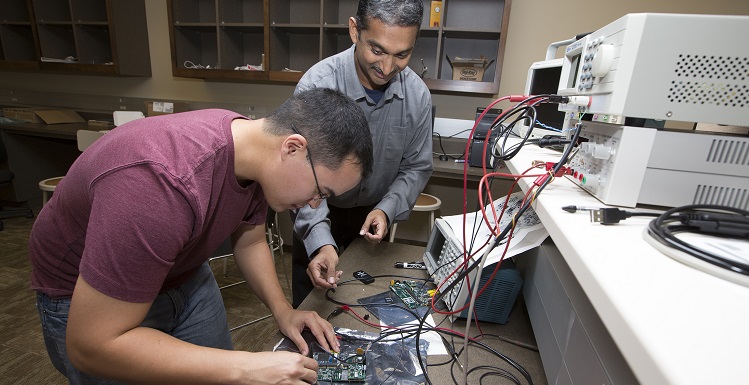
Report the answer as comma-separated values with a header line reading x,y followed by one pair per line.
x,y
612,215
558,99
609,215
334,313
718,224
552,140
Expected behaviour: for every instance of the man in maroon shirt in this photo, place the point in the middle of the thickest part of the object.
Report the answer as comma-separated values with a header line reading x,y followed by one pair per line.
x,y
119,253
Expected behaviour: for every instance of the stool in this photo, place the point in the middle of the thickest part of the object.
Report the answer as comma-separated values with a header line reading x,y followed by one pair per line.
x,y
275,243
424,202
48,186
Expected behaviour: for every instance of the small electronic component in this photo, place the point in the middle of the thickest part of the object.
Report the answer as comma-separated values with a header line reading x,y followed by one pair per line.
x,y
341,367
364,277
412,293
410,265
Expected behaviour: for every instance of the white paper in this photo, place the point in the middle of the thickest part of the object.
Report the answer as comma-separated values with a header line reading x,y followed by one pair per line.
x,y
736,250
529,231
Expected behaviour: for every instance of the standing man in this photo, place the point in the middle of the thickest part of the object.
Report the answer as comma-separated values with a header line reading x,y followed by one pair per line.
x,y
375,73
119,254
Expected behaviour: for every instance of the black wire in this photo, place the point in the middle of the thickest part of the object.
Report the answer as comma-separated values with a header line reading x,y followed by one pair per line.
x,y
498,374
527,112
519,213
400,356
506,359
497,371
664,231
513,342
439,141
501,236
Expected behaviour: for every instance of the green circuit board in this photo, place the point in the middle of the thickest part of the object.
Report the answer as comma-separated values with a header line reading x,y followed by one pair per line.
x,y
412,293
340,367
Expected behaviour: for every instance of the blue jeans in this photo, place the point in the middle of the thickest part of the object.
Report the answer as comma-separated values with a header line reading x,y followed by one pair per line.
x,y
193,312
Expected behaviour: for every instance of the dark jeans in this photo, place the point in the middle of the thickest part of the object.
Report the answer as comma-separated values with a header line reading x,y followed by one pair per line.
x,y
193,312
344,226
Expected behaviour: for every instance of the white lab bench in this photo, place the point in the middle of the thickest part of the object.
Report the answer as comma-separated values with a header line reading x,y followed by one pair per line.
x,y
608,295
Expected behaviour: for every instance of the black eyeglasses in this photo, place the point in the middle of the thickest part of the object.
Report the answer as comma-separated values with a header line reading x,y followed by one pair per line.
x,y
320,195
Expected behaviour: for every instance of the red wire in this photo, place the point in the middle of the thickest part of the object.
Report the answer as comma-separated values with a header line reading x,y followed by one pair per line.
x,y
507,244
484,181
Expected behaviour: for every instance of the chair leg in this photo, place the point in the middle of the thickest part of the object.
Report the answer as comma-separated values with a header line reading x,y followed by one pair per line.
x,y
392,232
225,258
275,242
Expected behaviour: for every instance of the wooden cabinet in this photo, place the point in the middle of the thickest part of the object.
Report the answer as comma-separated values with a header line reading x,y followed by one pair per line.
x,y
18,48
280,39
107,37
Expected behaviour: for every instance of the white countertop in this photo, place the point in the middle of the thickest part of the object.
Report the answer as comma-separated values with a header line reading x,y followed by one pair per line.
x,y
672,323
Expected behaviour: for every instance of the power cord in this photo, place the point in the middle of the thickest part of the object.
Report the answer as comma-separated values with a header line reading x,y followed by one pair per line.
x,y
609,215
550,141
715,220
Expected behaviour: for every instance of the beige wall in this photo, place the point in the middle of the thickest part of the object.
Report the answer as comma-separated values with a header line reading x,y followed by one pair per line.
x,y
533,25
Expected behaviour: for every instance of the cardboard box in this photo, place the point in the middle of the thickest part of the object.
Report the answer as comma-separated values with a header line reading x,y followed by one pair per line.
x,y
100,124
42,115
164,108
469,69
434,15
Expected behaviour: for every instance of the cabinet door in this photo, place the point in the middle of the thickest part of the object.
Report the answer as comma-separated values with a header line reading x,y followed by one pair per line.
x,y
335,37
18,47
85,36
295,37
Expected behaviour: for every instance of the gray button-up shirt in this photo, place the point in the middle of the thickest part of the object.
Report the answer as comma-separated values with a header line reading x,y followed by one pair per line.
x,y
401,126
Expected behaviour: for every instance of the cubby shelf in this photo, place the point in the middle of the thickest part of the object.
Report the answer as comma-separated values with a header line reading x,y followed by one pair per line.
x,y
106,37
284,38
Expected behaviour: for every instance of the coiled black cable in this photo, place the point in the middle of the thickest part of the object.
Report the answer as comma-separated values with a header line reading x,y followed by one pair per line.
x,y
716,220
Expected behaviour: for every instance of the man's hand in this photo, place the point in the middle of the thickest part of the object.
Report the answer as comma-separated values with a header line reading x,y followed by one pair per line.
x,y
292,322
279,368
375,226
322,269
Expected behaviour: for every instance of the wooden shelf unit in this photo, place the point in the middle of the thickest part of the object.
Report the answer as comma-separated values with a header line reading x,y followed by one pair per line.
x,y
106,37
210,38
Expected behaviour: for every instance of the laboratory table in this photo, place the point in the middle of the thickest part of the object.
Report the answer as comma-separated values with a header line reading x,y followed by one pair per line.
x,y
378,260
669,323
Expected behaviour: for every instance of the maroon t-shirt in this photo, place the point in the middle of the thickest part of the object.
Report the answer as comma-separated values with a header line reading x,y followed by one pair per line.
x,y
143,207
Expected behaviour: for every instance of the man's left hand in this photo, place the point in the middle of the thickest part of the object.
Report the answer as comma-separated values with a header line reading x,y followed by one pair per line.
x,y
292,322
375,226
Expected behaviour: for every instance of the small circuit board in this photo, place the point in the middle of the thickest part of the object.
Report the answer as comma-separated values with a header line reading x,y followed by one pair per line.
x,y
341,367
412,293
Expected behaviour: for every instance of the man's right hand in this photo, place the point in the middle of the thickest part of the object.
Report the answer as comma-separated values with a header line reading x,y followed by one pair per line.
x,y
322,269
279,368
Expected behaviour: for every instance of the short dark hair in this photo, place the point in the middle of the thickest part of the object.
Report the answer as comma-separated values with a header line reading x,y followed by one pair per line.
x,y
398,13
334,125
